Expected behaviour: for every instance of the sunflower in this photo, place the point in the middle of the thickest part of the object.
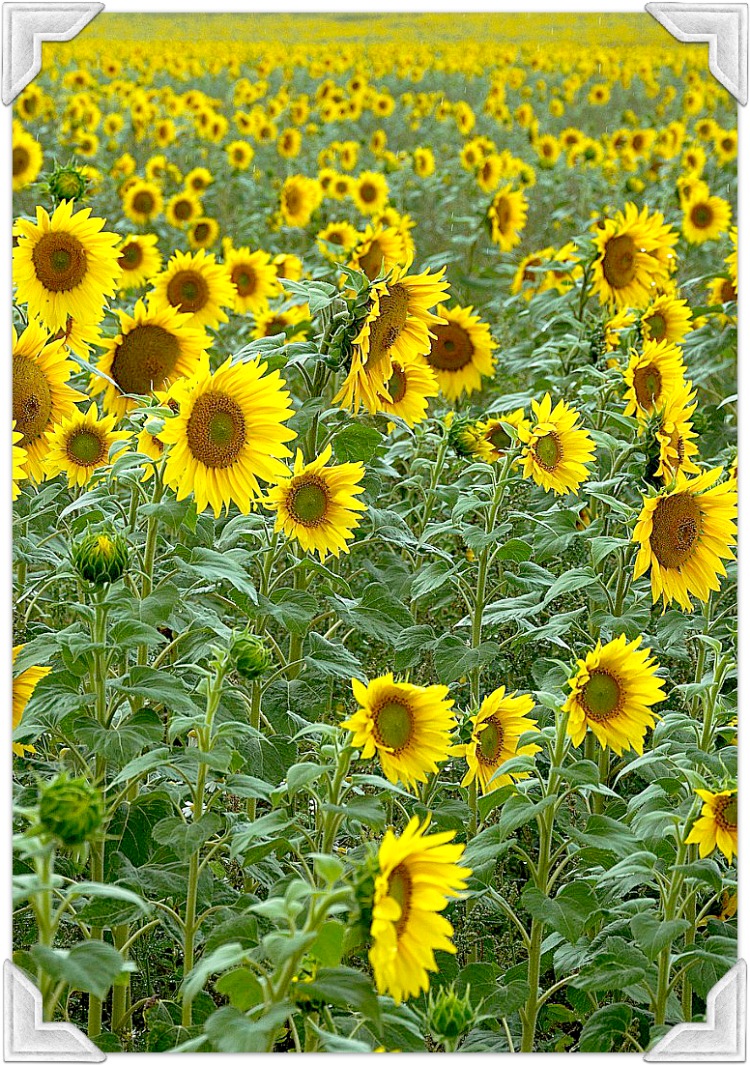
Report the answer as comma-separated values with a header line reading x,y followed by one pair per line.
x,y
725,146
19,462
407,725
150,445
717,824
340,186
140,260
65,265
229,431
42,396
142,201
271,323
684,533
721,290
397,326
337,240
80,444
507,216
239,154
299,198
704,217
155,346
370,192
666,319
652,377
197,285
254,277
530,277
203,233
424,162
496,436
23,688
288,267
380,249
27,158
675,435
461,352
497,728
634,253
182,209
417,875
198,179
555,451
614,688
409,388
317,505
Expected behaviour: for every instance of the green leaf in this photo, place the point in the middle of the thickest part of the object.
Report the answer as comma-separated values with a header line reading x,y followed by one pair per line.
x,y
332,659
571,581
232,1032
227,956
454,658
652,934
219,566
301,775
567,913
515,551
242,987
292,608
329,945
349,989
157,687
120,743
186,837
618,965
92,966
604,1031
356,443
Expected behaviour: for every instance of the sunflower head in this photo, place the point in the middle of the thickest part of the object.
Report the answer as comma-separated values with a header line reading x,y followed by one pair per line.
x,y
717,825
67,183
70,810
556,452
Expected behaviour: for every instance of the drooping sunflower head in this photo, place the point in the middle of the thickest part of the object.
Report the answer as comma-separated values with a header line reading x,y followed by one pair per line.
x,y
65,265
318,505
140,260
495,433
634,257
410,386
81,444
496,731
461,351
556,451
666,319
507,215
652,377
408,726
228,433
417,876
155,346
684,533
674,435
717,824
613,691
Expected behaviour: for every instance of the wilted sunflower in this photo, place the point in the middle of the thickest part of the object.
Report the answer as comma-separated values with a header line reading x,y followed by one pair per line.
x,y
370,192
497,728
397,327
19,462
27,158
140,260
675,435
418,874
409,387
684,533
495,434
614,689
229,431
666,319
142,201
717,824
634,255
337,240
42,396
507,214
317,505
80,444
460,351
65,265
23,688
196,285
653,377
408,726
704,217
299,197
379,250
555,451
254,277
155,346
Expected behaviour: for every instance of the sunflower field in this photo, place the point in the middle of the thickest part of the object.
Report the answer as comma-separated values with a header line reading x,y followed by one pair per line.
x,y
375,495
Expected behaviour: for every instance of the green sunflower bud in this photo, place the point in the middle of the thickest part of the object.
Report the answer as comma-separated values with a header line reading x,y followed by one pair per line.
x,y
101,557
67,183
467,439
449,1016
250,656
71,810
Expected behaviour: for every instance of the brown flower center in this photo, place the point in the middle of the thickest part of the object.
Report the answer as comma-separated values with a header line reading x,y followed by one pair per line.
x,y
619,263
188,290
32,399
368,192
728,292
676,529
59,261
499,439
396,385
393,723
657,326
144,359
20,161
451,349
216,430
490,741
245,279
183,210
308,501
647,385
131,256
725,812
386,329
548,451
400,889
292,200
503,214
144,202
701,215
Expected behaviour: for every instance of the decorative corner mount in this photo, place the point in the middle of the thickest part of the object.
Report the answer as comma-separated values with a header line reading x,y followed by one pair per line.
x,y
722,1037
723,27
28,1037
26,27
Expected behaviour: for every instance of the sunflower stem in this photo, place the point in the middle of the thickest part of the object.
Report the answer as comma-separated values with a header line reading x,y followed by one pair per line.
x,y
665,955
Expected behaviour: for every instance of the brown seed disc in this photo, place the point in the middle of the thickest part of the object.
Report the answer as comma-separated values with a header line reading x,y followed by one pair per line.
x,y
188,290
618,264
145,359
216,430
32,399
451,348
677,523
59,261
386,329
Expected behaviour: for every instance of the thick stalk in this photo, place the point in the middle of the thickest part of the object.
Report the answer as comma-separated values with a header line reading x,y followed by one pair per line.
x,y
120,992
255,698
99,639
665,956
42,906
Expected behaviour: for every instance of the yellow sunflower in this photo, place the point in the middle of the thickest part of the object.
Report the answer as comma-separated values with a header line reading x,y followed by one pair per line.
x,y
370,192
151,446
317,505
142,201
634,253
652,377
198,179
229,431
408,726
460,352
704,217
379,250
530,277
717,824
614,688
684,533
270,323
183,208
65,265
80,444
27,158
337,240
668,319
418,874
239,154
675,435
140,260
23,688
496,436
155,346
42,396
19,462
507,214
556,452
288,267
254,277
197,285
299,198
409,387
496,730
203,233
397,327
